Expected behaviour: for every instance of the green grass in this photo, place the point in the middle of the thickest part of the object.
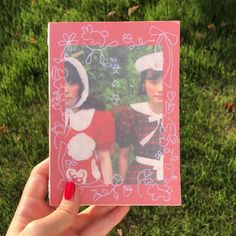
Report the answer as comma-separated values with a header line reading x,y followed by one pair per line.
x,y
207,82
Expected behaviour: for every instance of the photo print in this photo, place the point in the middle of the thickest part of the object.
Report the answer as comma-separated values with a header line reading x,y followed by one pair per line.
x,y
114,112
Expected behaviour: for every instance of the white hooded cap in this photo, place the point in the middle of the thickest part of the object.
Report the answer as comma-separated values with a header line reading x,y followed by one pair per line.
x,y
84,77
151,61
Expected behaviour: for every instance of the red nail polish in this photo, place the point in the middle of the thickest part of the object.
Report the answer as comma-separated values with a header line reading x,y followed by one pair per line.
x,y
69,190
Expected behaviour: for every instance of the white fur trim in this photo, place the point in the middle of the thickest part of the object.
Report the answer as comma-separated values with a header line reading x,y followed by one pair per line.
x,y
144,108
80,120
151,61
83,74
81,147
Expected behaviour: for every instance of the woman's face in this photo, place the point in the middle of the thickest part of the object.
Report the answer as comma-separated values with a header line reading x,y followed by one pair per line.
x,y
71,94
154,90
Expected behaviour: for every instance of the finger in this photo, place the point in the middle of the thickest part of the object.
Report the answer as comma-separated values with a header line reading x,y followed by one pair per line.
x,y
36,188
90,214
102,224
64,216
70,201
37,184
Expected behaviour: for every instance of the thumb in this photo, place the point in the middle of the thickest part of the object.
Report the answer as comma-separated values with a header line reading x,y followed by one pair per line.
x,y
63,217
70,202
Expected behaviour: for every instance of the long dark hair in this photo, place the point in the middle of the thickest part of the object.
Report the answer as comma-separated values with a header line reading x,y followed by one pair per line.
x,y
72,76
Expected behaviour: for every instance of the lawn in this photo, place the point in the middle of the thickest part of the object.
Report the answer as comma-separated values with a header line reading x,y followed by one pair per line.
x,y
207,85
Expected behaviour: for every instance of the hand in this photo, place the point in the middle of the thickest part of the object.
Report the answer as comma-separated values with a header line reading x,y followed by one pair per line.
x,y
35,217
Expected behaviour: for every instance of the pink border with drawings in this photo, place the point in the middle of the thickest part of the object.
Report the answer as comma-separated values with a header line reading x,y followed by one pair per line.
x,y
155,33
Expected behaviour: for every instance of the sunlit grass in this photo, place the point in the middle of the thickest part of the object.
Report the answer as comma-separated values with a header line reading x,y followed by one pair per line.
x,y
207,82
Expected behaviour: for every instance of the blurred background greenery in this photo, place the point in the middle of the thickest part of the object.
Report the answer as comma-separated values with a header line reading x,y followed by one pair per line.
x,y
207,118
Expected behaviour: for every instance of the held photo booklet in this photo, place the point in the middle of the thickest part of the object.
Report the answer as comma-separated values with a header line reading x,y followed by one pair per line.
x,y
114,112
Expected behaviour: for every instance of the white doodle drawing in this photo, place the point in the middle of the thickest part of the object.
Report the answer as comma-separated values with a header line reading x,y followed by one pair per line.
x,y
169,134
58,75
114,191
67,43
61,164
128,39
104,193
156,192
77,176
98,41
144,178
169,40
127,191
57,97
170,166
59,130
169,105
94,37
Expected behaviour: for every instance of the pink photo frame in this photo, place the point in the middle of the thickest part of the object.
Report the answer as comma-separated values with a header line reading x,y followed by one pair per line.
x,y
110,58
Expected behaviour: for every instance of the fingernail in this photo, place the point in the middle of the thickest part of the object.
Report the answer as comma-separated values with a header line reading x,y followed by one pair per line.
x,y
69,190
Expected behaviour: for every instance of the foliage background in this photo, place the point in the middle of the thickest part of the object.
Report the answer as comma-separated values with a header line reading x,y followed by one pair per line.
x,y
208,82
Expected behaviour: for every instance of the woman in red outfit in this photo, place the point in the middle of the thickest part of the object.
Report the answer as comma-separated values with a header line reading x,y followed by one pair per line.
x,y
140,126
90,135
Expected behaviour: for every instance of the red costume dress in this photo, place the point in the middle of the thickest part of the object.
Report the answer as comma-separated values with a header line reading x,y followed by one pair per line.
x,y
142,128
89,131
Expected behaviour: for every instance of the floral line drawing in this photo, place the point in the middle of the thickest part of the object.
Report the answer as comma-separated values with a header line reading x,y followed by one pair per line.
x,y
126,192
128,39
57,96
144,178
117,184
169,41
94,37
67,43
156,192
117,180
58,129
169,134
68,40
97,40
102,58
105,192
153,190
170,166
170,104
